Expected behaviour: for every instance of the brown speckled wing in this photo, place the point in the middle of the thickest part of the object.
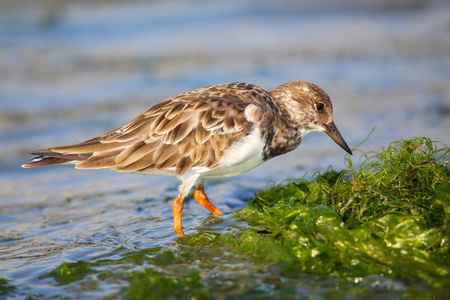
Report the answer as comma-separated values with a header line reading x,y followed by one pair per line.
x,y
193,129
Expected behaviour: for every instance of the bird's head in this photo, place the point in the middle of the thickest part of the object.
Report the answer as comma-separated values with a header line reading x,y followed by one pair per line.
x,y
310,108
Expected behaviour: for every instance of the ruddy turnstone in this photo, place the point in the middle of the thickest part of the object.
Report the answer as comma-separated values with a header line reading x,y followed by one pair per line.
x,y
213,132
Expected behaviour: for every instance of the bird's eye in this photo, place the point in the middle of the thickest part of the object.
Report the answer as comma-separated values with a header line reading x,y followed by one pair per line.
x,y
320,106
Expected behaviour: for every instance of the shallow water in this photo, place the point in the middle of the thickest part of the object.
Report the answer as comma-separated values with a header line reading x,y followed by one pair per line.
x,y
72,70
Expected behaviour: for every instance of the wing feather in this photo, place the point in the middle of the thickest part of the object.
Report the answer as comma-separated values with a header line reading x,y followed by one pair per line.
x,y
169,161
127,152
186,146
175,111
184,130
135,133
144,162
103,159
201,134
96,163
155,122
183,165
167,124
86,147
135,153
193,129
163,153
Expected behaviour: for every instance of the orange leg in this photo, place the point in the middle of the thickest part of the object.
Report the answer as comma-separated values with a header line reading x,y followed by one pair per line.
x,y
201,197
178,205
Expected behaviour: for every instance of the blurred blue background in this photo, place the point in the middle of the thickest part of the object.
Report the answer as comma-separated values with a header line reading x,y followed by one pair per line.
x,y
71,70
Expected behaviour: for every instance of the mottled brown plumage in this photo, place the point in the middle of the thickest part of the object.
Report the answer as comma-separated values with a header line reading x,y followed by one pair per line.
x,y
217,131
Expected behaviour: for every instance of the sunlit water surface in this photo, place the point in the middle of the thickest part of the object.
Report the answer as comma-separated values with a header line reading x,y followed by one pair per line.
x,y
69,72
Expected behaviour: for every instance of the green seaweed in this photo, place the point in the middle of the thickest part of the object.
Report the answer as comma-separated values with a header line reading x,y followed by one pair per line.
x,y
380,228
67,273
150,284
6,288
384,219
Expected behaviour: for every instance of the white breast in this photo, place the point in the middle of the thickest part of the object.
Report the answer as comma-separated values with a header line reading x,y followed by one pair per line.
x,y
242,157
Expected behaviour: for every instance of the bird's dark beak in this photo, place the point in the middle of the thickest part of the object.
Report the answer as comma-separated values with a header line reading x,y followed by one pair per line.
x,y
334,133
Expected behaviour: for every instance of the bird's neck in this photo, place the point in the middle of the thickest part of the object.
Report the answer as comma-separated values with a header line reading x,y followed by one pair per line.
x,y
284,135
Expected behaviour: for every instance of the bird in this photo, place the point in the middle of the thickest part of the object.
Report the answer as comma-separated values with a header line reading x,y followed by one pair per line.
x,y
217,131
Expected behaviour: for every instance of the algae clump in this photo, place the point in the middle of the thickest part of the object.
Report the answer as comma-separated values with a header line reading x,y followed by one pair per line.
x,y
389,217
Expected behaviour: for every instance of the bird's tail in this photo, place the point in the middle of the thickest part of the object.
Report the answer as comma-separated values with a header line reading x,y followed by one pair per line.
x,y
45,161
47,157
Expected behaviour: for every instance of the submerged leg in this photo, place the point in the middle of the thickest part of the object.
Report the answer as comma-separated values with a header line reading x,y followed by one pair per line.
x,y
178,202
178,205
201,197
